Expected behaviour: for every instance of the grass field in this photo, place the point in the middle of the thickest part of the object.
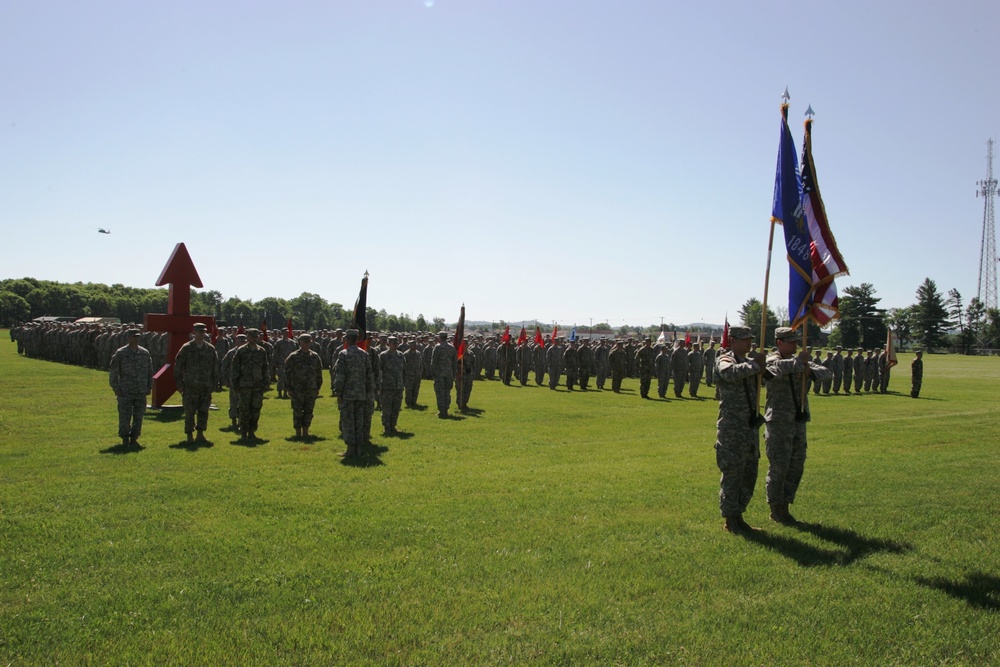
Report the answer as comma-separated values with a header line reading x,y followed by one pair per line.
x,y
547,527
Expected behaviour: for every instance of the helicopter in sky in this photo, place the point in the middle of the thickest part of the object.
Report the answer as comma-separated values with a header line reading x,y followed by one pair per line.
x,y
101,230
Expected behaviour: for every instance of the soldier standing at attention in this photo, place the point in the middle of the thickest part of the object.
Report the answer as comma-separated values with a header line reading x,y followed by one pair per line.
x,y
696,366
645,362
679,368
303,371
710,364
737,441
585,364
570,364
817,383
601,362
828,364
538,362
392,368
468,371
250,378
414,373
617,365
227,374
848,371
444,368
787,414
282,349
885,369
916,374
662,368
506,356
553,361
859,371
353,382
838,369
131,378
196,373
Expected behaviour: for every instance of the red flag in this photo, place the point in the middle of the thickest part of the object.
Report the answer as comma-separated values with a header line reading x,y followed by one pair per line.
x,y
263,328
460,334
522,337
687,339
725,335
358,317
215,332
538,337
290,332
555,328
506,335
240,329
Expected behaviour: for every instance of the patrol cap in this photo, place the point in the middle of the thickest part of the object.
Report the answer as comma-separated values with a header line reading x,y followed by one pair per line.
x,y
352,333
442,334
787,334
253,332
133,332
200,326
304,336
241,336
392,339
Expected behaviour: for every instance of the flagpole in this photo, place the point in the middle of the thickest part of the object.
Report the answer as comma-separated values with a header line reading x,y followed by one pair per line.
x,y
763,307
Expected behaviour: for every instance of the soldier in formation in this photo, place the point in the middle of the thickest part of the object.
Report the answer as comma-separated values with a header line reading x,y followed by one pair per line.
x,y
249,375
696,366
414,373
131,377
645,362
444,367
353,383
392,368
303,377
196,374
737,442
916,374
786,414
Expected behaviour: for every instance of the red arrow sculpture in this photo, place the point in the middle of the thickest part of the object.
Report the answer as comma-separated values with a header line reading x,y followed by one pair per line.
x,y
178,323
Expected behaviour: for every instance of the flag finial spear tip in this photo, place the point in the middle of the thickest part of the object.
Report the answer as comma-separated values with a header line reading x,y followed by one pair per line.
x,y
810,112
366,273
785,96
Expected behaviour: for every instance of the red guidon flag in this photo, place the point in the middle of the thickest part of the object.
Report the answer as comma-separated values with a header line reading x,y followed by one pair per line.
x,y
538,337
460,334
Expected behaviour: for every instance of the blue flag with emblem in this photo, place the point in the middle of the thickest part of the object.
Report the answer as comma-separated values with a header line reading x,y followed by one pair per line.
x,y
786,210
572,334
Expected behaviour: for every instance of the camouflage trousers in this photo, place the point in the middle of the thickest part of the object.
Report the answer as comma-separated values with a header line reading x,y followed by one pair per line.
x,y
467,382
131,409
303,404
679,382
539,376
366,430
442,391
251,401
352,421
915,388
279,373
837,379
570,379
786,454
737,453
602,376
884,381
412,389
234,403
709,374
554,379
858,381
584,380
391,401
694,381
848,379
616,382
645,381
196,401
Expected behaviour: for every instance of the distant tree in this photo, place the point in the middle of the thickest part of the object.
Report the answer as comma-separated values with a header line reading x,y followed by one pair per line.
x,y
14,309
862,322
975,315
421,323
957,319
991,329
930,316
438,323
901,321
750,316
308,310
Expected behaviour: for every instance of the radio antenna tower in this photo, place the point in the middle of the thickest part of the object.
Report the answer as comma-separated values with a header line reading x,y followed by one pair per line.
x,y
987,290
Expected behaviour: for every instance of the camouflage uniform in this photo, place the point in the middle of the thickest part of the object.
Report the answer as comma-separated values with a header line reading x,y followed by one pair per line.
x,y
737,444
490,360
662,368
859,371
848,371
618,366
444,368
885,369
250,378
538,361
196,374
506,358
710,355
353,382
553,359
785,434
601,363
916,376
467,369
523,363
838,370
645,361
585,364
679,369
392,369
131,377
414,373
569,364
696,367
226,374
303,372
828,364
282,349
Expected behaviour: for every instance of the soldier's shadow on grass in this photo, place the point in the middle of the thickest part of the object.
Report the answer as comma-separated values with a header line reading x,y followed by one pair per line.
x,y
851,545
977,589
250,443
192,446
473,412
402,435
417,407
369,457
168,414
123,449
306,439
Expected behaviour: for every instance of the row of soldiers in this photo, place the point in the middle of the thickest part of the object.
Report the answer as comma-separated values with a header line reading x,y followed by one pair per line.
x,y
864,371
88,345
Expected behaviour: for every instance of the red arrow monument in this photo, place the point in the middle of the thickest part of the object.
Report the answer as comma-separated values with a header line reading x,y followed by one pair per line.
x,y
178,323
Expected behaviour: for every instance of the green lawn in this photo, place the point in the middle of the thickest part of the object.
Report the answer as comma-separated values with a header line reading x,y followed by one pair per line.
x,y
548,527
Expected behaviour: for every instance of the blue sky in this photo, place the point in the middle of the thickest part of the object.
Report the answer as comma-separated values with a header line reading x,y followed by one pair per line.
x,y
561,160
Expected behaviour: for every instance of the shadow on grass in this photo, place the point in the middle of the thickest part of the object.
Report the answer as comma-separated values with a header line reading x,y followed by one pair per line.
x,y
852,545
249,443
193,446
978,589
168,413
306,439
417,407
472,412
123,449
369,457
